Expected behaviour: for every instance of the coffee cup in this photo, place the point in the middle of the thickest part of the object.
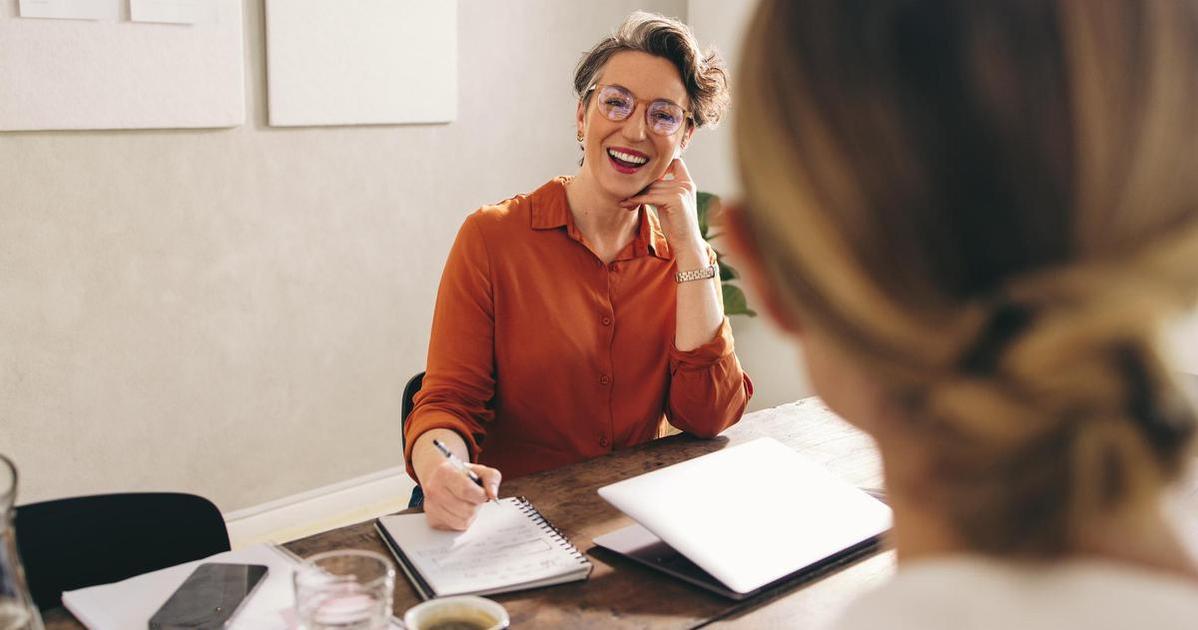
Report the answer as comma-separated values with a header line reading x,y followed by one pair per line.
x,y
459,612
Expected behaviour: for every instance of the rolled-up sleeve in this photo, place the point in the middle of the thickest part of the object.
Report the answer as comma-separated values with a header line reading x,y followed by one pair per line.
x,y
708,389
459,382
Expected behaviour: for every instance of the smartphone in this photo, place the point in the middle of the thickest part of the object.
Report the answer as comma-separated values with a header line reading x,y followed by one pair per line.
x,y
209,597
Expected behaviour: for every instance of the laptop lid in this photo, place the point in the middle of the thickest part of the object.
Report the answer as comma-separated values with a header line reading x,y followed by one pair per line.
x,y
751,514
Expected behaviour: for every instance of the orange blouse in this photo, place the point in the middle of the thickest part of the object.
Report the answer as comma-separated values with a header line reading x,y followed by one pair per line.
x,y
542,356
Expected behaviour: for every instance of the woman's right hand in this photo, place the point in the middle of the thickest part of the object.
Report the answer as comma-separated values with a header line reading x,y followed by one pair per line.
x,y
451,499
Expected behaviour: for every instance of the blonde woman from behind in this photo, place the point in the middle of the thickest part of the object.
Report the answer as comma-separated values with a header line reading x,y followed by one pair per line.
x,y
976,217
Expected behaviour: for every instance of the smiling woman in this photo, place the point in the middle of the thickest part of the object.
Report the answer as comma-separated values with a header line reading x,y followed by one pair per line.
x,y
574,320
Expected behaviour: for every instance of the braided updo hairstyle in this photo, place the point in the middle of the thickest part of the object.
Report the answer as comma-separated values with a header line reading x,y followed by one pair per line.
x,y
993,208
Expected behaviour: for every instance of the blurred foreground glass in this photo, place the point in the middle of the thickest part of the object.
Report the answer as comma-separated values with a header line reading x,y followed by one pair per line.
x,y
344,590
17,611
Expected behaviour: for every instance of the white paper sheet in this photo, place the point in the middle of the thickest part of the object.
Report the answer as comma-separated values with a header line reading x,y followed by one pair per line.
x,y
70,9
173,11
130,603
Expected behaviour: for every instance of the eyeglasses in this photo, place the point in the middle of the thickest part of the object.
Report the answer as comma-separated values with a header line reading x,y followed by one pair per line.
x,y
617,104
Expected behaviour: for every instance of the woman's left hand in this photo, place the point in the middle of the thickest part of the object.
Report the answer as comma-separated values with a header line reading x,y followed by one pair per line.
x,y
677,207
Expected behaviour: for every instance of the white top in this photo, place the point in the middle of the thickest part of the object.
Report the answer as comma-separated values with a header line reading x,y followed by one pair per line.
x,y
975,593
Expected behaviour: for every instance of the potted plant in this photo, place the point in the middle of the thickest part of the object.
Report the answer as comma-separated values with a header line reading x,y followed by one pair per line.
x,y
734,298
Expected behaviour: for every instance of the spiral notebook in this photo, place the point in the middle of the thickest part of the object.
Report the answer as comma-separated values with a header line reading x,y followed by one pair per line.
x,y
509,547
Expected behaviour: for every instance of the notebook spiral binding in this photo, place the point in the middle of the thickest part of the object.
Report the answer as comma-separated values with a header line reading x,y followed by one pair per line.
x,y
540,521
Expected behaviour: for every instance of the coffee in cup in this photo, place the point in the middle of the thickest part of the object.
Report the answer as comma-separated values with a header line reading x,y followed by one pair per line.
x,y
460,612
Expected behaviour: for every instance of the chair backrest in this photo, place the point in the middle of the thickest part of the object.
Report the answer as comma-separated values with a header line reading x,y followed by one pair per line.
x,y
67,544
409,392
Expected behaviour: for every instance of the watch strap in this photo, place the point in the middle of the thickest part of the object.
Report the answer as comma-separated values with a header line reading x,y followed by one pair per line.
x,y
703,273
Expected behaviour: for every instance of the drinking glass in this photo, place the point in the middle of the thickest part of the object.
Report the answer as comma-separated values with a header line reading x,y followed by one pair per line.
x,y
344,590
17,611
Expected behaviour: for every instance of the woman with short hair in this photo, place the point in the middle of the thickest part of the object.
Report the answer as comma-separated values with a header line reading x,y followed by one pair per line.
x,y
573,320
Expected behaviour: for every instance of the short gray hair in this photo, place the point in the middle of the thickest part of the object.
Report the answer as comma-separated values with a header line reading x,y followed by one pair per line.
x,y
703,72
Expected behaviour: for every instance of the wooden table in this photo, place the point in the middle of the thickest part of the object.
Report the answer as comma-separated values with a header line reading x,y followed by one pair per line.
x,y
620,593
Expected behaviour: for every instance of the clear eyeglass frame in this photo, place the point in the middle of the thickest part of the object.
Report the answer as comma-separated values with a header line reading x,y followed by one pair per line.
x,y
659,126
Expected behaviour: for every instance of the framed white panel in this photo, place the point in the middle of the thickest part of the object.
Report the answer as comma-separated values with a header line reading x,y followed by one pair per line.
x,y
173,11
333,62
69,9
70,74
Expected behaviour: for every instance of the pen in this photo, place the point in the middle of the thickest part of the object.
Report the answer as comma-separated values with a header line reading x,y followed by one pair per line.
x,y
459,464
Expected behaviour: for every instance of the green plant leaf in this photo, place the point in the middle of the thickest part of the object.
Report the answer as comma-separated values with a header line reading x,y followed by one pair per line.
x,y
735,302
707,204
734,299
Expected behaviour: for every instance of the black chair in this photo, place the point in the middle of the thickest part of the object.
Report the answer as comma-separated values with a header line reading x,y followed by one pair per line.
x,y
67,544
409,392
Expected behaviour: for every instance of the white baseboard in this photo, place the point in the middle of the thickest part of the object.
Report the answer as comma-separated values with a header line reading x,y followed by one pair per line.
x,y
321,509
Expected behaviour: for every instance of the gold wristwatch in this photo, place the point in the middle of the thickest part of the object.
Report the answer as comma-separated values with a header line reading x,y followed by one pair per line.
x,y
697,274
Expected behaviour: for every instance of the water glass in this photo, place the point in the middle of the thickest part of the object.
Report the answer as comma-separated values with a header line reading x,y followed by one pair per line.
x,y
344,590
17,611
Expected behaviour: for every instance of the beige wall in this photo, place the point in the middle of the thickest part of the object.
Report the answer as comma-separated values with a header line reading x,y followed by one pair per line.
x,y
233,312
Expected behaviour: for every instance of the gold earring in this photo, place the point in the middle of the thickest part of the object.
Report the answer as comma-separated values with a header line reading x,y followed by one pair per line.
x,y
580,136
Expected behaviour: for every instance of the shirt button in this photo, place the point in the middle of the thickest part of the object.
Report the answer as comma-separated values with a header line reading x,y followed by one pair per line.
x,y
605,379
603,442
607,321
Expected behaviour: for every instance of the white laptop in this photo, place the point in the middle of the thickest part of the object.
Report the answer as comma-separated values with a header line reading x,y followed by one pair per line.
x,y
744,519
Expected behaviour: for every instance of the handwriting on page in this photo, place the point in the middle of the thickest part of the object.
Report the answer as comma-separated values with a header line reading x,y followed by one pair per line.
x,y
465,558
502,547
